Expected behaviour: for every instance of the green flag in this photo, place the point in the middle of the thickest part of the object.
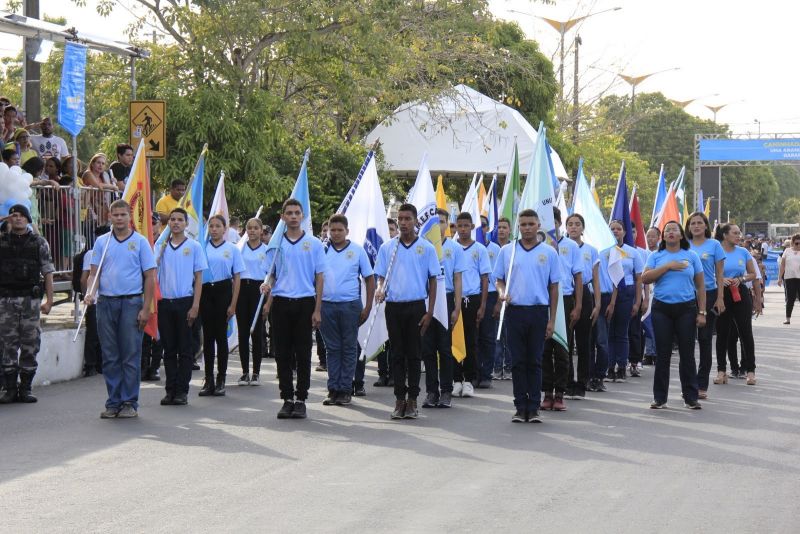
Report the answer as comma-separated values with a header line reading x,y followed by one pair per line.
x,y
511,194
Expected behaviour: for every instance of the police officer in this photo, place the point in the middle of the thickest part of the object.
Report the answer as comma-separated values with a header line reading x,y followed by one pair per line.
x,y
24,261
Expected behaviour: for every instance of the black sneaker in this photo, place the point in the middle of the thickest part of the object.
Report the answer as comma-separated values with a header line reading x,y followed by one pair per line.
x,y
359,392
109,413
649,360
621,375
343,399
533,417
518,417
445,400
578,392
168,400
180,400
593,385
382,382
634,370
127,412
195,366
655,405
286,410
299,410
330,400
431,400
484,384
692,405
208,388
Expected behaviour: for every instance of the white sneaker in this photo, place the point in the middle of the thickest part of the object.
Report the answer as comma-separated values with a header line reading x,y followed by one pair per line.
x,y
244,380
468,390
255,380
457,389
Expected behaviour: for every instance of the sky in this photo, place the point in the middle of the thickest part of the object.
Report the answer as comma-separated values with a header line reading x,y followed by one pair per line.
x,y
734,52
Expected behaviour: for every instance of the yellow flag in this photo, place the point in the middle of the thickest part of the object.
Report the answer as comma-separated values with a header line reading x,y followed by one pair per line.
x,y
458,345
707,209
481,201
441,200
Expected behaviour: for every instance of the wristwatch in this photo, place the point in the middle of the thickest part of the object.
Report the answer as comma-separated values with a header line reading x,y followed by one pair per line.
x,y
702,312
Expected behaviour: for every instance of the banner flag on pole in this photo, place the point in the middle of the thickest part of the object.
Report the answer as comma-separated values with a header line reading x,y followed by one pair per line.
x,y
441,200
700,203
539,196
423,198
491,210
707,209
636,220
596,231
595,196
509,206
620,212
72,95
661,196
670,211
457,343
137,194
300,193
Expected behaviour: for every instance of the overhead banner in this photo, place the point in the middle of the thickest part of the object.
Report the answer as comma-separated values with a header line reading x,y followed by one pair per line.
x,y
750,149
72,95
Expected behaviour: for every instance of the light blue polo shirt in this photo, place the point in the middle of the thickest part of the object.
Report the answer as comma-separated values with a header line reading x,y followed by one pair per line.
x,y
478,265
224,261
125,261
710,253
177,268
736,262
87,260
632,264
297,265
571,264
453,261
606,284
255,262
342,282
533,272
413,265
675,287
589,258
493,250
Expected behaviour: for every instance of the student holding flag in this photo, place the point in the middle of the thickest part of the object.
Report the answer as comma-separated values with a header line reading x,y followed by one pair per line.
x,y
254,256
125,270
531,298
407,269
437,351
475,287
180,276
218,303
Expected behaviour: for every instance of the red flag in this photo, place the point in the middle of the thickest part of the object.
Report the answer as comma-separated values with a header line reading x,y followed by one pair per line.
x,y
137,194
636,221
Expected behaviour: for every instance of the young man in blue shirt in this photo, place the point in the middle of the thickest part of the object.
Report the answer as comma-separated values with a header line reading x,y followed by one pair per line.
x,y
530,291
180,278
407,268
298,277
126,273
342,312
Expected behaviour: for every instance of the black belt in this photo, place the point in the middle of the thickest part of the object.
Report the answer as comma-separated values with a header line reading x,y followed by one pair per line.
x,y
249,281
131,296
221,283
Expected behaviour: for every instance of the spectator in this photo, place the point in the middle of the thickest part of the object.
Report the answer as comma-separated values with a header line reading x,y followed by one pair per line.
x,y
10,157
232,233
22,144
97,175
67,171
48,145
35,167
9,120
169,202
789,274
266,234
121,168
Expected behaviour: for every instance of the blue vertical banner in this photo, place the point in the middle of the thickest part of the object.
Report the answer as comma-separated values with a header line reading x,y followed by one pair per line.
x,y
72,96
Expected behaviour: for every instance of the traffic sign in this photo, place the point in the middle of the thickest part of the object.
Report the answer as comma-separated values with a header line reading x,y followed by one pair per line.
x,y
148,122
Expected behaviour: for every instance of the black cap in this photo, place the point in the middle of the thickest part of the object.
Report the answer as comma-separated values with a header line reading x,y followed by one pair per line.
x,y
22,210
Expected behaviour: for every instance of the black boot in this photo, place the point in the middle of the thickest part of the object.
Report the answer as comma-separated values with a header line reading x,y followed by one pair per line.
x,y
10,383
25,383
219,391
208,386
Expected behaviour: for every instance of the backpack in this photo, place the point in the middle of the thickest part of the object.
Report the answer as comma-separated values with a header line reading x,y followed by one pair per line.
x,y
77,271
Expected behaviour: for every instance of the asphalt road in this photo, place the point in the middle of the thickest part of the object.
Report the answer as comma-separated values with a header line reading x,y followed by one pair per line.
x,y
608,464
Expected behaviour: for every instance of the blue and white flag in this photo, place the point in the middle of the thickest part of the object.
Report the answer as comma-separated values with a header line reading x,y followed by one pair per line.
x,y
492,211
595,231
366,218
299,193
72,95
661,196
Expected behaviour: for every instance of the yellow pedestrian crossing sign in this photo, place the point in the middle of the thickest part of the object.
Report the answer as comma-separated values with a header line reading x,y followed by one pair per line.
x,y
148,122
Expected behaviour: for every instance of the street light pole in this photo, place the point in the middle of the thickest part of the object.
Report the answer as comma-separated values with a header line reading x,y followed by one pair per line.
x,y
633,81
715,109
759,127
575,97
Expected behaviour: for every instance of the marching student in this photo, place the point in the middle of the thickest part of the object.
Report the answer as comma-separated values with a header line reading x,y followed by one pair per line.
x,y
556,359
529,288
712,257
342,311
474,288
653,237
679,308
437,343
414,268
629,298
180,277
254,256
598,348
502,358
218,303
126,273
487,333
384,356
635,343
296,306
590,309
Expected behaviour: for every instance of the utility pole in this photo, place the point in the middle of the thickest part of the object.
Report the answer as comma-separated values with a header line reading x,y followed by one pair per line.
x,y
31,70
575,96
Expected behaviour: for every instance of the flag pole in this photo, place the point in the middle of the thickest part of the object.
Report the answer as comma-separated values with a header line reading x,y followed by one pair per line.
x,y
94,286
363,355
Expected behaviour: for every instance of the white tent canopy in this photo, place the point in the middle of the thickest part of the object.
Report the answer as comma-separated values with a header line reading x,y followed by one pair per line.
x,y
462,132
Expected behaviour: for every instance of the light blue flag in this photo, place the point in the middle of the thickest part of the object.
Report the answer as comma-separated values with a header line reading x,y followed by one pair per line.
x,y
72,95
300,193
596,231
701,205
661,196
539,196
191,201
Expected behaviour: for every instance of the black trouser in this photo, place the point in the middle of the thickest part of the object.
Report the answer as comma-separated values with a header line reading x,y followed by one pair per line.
x,y
384,357
738,315
245,311
92,353
214,303
792,291
555,360
176,337
292,319
581,340
733,349
672,321
321,354
487,336
468,369
402,321
705,338
438,339
152,351
635,339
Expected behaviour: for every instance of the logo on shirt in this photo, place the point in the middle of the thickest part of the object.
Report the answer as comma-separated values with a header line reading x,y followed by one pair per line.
x,y
262,257
705,255
420,250
542,259
447,253
226,254
563,251
350,254
131,246
741,262
587,256
491,255
187,251
474,254
306,245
